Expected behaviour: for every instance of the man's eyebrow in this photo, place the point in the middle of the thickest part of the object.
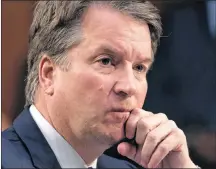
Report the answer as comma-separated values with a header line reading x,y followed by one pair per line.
x,y
148,60
110,49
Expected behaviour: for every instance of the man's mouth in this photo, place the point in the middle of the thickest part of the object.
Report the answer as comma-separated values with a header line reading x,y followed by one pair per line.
x,y
120,110
119,115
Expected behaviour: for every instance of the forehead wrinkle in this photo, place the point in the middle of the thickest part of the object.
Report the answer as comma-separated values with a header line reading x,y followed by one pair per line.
x,y
128,44
133,54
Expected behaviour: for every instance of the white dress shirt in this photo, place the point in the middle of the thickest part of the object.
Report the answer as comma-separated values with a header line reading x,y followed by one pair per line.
x,y
64,152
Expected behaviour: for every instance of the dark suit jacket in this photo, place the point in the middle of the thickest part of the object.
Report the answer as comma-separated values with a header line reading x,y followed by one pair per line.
x,y
24,146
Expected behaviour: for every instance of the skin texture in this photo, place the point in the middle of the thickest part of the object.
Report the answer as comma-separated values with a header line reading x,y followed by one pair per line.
x,y
104,88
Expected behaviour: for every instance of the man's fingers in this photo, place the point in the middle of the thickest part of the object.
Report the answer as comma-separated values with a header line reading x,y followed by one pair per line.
x,y
146,124
131,123
170,143
127,150
154,138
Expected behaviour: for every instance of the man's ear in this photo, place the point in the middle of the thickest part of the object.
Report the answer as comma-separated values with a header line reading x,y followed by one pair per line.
x,y
46,74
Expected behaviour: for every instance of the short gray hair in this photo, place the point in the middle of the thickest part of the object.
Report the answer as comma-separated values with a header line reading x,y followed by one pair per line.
x,y
56,27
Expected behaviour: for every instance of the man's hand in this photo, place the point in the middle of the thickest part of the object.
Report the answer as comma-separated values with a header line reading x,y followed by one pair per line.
x,y
161,144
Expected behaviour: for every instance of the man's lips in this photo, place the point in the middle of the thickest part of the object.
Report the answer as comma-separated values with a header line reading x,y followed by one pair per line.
x,y
120,110
118,116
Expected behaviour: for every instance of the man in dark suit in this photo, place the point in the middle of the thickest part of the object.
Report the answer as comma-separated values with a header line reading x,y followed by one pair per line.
x,y
86,85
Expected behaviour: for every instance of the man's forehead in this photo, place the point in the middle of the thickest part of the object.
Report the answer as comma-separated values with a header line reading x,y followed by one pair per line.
x,y
105,16
120,31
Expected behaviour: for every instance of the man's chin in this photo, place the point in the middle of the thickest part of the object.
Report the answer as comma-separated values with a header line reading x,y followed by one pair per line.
x,y
115,138
111,138
109,134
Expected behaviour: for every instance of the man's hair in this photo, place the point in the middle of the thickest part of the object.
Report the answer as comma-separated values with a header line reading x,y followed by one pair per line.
x,y
56,27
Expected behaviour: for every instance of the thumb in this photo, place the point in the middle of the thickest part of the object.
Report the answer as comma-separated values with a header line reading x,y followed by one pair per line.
x,y
127,150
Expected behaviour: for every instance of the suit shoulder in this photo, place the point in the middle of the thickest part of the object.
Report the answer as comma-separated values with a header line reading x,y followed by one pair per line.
x,y
14,153
10,134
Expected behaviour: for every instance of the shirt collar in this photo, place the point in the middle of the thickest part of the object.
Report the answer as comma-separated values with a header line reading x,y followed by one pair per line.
x,y
68,158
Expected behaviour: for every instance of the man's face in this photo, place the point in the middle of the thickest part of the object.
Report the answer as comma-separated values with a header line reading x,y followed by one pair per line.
x,y
107,77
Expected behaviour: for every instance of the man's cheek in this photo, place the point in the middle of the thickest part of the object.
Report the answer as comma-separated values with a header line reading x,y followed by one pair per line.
x,y
141,98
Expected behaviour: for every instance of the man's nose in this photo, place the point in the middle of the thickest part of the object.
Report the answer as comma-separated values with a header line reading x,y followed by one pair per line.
x,y
125,85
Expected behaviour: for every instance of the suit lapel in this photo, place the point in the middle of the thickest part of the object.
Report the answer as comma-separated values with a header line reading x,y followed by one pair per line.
x,y
40,151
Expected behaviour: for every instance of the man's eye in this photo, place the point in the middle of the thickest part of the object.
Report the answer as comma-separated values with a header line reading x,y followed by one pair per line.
x,y
106,61
140,68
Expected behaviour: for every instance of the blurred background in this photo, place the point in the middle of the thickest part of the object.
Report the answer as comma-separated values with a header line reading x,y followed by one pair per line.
x,y
182,82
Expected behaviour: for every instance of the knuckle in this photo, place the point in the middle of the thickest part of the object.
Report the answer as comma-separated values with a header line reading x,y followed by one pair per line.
x,y
142,124
163,149
152,137
162,115
136,111
172,123
149,113
181,132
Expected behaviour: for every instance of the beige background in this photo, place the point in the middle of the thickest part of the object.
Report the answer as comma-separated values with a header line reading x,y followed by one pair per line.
x,y
16,19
